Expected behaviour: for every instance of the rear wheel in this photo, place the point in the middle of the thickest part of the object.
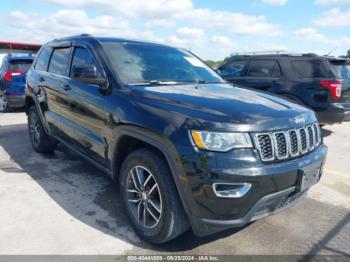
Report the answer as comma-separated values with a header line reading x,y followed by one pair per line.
x,y
40,140
4,106
150,197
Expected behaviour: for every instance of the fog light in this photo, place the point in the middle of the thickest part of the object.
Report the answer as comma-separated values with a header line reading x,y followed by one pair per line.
x,y
231,190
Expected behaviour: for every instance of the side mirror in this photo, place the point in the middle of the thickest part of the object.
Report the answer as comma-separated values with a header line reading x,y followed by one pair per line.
x,y
87,74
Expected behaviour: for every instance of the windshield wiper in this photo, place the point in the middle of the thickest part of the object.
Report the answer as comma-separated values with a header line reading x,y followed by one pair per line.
x,y
201,81
156,82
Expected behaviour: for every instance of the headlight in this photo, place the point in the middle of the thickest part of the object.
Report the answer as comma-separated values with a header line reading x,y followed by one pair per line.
x,y
221,142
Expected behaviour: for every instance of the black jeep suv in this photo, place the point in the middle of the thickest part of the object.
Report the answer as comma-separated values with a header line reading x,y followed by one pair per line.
x,y
185,148
321,83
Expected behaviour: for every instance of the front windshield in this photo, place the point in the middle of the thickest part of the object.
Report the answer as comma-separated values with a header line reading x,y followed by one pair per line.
x,y
137,63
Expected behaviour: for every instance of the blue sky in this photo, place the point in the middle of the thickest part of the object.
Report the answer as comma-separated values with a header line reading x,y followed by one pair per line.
x,y
211,29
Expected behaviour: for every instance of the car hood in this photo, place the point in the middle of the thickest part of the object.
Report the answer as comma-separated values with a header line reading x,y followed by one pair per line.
x,y
224,107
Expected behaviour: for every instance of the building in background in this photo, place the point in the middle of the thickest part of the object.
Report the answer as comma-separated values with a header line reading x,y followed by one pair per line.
x,y
13,47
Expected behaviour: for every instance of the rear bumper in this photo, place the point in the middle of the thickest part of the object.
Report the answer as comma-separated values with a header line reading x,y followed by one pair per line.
x,y
335,113
16,101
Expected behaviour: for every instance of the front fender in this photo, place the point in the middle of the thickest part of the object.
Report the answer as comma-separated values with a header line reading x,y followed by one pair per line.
x,y
166,148
31,100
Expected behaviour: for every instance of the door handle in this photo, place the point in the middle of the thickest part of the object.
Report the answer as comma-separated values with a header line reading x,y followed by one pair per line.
x,y
67,87
41,79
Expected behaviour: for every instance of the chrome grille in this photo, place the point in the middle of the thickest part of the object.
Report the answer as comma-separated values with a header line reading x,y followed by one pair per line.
x,y
294,143
288,144
311,137
303,140
281,145
265,147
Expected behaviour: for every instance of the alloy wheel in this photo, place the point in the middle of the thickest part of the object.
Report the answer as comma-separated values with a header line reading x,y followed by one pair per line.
x,y
144,197
34,126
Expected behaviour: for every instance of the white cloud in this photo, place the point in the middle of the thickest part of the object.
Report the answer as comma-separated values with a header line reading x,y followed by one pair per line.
x,y
275,2
188,37
332,2
222,41
168,12
230,22
333,17
131,8
150,35
34,27
311,34
160,23
205,31
190,32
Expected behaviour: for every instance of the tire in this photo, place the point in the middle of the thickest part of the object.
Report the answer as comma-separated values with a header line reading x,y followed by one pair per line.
x,y
4,105
40,140
163,202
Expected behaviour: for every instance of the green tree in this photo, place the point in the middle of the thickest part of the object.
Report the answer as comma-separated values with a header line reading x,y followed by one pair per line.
x,y
213,63
348,54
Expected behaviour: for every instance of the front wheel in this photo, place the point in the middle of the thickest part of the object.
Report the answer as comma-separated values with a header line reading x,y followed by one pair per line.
x,y
40,140
150,197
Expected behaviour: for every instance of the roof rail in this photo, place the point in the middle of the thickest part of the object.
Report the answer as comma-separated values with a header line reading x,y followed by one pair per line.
x,y
267,52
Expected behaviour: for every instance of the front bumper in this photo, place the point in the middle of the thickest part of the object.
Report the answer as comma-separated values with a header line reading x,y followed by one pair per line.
x,y
274,187
266,206
335,113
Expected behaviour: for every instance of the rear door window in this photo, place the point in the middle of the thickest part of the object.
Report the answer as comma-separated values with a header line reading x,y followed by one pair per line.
x,y
312,69
43,59
264,68
234,69
21,65
59,61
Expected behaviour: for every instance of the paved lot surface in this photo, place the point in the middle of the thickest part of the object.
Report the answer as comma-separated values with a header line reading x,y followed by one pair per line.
x,y
60,204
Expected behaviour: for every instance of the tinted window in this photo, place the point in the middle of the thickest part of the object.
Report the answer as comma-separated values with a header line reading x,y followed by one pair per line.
x,y
22,65
83,57
312,69
43,59
142,63
264,68
341,69
59,61
235,68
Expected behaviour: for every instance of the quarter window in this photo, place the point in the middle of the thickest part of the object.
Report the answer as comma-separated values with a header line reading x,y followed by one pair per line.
x,y
311,69
59,61
43,59
264,68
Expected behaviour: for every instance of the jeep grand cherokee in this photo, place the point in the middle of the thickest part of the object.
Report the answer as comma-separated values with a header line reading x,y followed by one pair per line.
x,y
186,149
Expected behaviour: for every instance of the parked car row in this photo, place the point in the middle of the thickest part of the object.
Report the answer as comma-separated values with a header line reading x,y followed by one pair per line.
x,y
12,80
187,149
321,83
